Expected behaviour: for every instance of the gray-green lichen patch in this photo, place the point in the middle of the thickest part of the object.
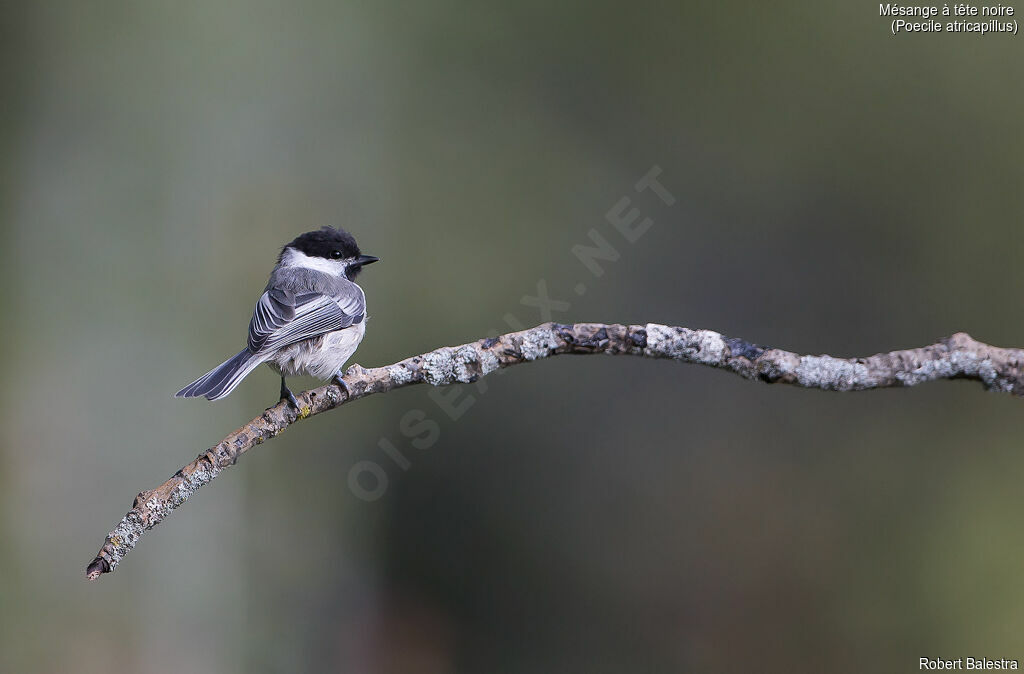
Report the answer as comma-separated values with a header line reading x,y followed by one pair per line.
x,y
438,367
539,343
188,486
462,364
710,347
957,364
695,346
465,364
488,362
124,537
991,378
332,396
832,374
661,341
399,375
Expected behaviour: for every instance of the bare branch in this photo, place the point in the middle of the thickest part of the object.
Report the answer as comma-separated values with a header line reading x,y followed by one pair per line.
x,y
957,357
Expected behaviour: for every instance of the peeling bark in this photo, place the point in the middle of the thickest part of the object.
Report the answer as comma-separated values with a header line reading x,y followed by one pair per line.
x,y
956,357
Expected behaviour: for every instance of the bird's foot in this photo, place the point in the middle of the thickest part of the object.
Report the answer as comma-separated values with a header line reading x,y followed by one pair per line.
x,y
338,379
354,370
286,394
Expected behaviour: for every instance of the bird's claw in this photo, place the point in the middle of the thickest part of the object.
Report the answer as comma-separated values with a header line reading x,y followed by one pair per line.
x,y
339,380
286,394
292,400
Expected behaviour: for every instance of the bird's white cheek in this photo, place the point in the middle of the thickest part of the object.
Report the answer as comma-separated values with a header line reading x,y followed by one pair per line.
x,y
294,258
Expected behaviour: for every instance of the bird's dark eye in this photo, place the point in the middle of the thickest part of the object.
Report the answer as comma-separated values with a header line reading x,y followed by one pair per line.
x,y
336,254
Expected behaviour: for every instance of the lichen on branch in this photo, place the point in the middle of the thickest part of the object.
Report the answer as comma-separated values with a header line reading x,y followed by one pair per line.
x,y
956,357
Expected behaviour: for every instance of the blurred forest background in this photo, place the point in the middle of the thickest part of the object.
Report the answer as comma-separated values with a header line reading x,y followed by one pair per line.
x,y
837,190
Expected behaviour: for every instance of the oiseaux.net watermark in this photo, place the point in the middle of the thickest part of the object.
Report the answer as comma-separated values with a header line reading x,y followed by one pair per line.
x,y
624,223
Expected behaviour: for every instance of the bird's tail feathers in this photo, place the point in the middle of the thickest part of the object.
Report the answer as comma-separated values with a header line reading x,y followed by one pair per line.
x,y
222,379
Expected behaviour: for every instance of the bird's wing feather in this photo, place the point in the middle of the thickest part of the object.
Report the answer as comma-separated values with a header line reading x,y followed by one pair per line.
x,y
283,317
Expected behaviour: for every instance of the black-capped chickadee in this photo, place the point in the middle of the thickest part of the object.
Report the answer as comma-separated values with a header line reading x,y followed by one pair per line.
x,y
309,320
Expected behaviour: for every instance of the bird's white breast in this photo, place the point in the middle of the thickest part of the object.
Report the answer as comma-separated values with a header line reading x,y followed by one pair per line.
x,y
320,357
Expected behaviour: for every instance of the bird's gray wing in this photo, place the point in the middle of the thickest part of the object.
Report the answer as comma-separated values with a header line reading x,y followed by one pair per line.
x,y
283,317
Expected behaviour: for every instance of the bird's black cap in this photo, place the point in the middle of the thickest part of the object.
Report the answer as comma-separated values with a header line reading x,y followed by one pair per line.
x,y
323,243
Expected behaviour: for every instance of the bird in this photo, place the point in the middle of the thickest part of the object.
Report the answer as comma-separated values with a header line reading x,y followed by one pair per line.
x,y
309,320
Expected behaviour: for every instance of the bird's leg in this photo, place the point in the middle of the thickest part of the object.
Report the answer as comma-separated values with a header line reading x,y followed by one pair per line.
x,y
286,394
338,379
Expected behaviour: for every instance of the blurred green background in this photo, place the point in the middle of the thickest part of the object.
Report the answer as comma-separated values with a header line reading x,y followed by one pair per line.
x,y
837,190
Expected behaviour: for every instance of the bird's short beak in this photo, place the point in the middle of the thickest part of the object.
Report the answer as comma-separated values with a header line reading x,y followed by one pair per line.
x,y
366,259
